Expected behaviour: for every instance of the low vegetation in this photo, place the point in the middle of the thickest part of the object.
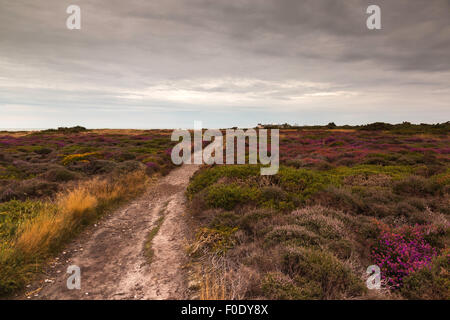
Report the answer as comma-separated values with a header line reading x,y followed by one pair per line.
x,y
400,128
341,201
55,182
32,231
344,199
148,247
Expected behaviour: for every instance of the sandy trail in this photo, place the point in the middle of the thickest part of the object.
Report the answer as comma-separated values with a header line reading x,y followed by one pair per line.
x,y
111,256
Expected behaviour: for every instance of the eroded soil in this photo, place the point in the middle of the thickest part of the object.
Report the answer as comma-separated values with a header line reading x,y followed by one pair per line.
x,y
111,253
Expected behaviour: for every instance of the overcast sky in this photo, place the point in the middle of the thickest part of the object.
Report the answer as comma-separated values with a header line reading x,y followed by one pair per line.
x,y
166,63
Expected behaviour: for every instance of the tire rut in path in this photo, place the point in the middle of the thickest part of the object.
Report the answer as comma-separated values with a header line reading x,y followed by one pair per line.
x,y
111,255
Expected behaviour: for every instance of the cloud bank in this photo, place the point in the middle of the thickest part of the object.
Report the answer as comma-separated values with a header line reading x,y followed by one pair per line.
x,y
154,64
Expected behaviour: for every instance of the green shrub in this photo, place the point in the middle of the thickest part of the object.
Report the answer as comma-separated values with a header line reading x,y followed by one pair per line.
x,y
250,219
296,163
83,155
225,219
100,167
341,198
64,130
124,156
129,166
395,172
13,213
325,226
291,186
12,172
433,283
216,240
305,181
11,276
342,248
273,193
377,160
372,180
292,234
278,286
309,265
416,186
43,151
443,179
60,175
209,176
229,196
276,198
27,189
376,126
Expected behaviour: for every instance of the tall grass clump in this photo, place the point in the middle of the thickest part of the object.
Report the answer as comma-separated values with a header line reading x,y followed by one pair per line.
x,y
55,222
212,288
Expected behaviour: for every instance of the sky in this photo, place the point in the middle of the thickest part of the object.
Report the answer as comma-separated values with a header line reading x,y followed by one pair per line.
x,y
167,63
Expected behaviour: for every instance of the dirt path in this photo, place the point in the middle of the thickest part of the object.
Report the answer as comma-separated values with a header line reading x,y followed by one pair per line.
x,y
111,255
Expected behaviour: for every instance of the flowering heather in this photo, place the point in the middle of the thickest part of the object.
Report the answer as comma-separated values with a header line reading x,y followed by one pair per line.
x,y
335,146
151,165
401,252
35,161
168,152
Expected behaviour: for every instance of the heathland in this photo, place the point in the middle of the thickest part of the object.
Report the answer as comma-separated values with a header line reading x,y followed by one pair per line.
x,y
344,199
55,182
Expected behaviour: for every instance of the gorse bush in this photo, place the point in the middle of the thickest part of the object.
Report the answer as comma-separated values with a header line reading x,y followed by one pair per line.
x,y
77,157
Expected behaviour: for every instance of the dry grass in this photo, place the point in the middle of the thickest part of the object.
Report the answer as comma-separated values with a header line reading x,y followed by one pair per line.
x,y
212,288
76,208
128,131
59,221
15,133
220,280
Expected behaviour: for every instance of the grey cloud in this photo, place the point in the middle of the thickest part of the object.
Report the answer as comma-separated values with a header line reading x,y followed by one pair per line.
x,y
137,45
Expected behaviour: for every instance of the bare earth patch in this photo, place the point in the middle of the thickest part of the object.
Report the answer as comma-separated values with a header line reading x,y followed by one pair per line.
x,y
111,254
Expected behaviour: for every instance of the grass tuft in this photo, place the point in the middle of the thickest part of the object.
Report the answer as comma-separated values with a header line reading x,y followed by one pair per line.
x,y
53,223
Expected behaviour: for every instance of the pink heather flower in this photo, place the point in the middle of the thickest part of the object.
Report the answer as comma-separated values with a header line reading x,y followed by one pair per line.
x,y
401,253
151,165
